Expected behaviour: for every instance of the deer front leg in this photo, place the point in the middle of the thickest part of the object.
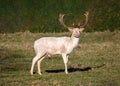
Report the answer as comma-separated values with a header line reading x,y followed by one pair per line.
x,y
65,59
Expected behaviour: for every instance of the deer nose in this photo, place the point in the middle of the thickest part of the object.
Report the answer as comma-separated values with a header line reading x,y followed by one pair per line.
x,y
76,35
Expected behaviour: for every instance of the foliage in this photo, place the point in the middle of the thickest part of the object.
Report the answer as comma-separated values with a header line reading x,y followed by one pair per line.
x,y
105,15
42,15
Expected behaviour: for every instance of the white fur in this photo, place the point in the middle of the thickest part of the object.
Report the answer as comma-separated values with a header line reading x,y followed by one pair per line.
x,y
55,45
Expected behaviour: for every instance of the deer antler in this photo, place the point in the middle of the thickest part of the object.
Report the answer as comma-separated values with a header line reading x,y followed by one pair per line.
x,y
86,21
62,22
61,16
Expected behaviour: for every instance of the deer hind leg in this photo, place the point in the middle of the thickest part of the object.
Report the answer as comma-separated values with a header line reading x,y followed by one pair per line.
x,y
35,59
39,65
65,59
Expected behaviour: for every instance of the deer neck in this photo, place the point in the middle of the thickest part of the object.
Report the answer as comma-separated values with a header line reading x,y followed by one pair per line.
x,y
74,41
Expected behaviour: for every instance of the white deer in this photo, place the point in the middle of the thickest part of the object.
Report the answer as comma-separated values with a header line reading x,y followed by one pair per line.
x,y
57,45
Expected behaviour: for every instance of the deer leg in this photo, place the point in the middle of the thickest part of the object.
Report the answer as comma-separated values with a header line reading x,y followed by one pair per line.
x,y
65,59
39,65
35,59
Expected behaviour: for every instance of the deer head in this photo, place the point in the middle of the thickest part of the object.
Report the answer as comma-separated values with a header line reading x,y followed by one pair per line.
x,y
75,31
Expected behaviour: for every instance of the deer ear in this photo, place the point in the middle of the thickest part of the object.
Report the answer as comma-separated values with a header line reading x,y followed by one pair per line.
x,y
81,29
70,29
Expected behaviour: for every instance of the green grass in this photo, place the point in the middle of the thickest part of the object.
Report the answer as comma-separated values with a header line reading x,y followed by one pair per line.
x,y
98,55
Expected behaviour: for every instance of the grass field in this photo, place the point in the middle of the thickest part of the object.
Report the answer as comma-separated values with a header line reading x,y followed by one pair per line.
x,y
95,62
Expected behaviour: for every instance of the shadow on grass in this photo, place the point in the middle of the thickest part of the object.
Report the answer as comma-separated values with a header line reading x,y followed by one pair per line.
x,y
74,69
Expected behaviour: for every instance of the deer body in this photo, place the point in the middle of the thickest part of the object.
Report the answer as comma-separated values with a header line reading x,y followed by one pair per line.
x,y
56,45
51,46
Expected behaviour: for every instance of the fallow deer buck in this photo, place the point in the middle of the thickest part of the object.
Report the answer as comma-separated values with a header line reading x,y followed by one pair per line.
x,y
46,46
